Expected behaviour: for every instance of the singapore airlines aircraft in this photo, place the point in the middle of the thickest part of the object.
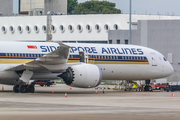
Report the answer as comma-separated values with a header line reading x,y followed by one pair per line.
x,y
24,61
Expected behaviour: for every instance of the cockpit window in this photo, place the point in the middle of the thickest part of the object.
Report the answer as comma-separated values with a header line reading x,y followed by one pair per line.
x,y
165,59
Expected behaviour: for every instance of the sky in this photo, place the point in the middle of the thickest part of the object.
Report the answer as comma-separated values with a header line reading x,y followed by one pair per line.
x,y
162,7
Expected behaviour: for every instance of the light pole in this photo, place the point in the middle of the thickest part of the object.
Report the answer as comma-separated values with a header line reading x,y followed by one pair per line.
x,y
130,37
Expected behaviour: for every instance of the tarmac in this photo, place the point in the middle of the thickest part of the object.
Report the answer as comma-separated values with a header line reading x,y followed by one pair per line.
x,y
85,104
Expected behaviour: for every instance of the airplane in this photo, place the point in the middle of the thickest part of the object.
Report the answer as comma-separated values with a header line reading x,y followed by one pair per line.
x,y
21,62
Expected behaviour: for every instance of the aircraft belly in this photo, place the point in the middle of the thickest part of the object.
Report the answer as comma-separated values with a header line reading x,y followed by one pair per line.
x,y
45,76
128,72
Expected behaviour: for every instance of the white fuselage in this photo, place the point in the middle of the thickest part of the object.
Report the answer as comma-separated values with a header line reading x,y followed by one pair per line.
x,y
117,62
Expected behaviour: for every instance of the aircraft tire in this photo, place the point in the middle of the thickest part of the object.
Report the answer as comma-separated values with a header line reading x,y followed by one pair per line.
x,y
16,88
30,88
150,88
23,88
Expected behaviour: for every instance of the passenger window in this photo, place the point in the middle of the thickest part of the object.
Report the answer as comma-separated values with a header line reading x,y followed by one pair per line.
x,y
122,57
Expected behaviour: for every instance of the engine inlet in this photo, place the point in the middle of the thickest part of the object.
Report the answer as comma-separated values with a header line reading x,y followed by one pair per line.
x,y
68,76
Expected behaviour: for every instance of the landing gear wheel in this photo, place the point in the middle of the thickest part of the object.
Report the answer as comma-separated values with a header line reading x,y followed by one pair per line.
x,y
30,88
150,88
16,88
23,88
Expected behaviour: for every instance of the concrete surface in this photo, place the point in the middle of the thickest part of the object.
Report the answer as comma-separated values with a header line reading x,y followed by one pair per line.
x,y
83,104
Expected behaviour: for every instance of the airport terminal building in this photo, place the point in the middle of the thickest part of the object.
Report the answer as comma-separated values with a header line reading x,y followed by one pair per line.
x,y
70,28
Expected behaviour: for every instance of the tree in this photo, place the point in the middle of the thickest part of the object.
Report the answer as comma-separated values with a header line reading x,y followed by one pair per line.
x,y
96,7
71,5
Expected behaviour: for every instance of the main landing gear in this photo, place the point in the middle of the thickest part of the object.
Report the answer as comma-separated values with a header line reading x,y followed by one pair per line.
x,y
22,88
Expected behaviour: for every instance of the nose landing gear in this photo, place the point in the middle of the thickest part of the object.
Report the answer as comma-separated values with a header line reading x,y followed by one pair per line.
x,y
147,87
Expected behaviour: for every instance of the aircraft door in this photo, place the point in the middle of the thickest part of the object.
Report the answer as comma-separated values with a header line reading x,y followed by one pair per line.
x,y
154,59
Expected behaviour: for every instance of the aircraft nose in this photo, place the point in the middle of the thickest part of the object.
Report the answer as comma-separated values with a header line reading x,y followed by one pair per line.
x,y
170,69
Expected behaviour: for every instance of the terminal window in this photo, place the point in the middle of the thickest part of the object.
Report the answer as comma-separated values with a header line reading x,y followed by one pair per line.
x,y
118,41
126,41
110,41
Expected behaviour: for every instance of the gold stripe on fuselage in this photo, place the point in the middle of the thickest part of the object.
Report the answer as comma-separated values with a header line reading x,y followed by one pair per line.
x,y
23,61
15,61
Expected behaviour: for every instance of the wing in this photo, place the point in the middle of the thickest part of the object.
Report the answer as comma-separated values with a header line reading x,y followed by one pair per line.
x,y
49,62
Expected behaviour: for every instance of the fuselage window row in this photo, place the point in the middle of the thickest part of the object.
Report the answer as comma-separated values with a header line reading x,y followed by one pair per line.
x,y
77,56
23,55
111,57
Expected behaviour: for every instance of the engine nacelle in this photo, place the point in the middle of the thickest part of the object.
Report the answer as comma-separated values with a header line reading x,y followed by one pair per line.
x,y
82,75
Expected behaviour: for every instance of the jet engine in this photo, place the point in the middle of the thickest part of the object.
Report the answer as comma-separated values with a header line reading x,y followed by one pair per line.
x,y
82,75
